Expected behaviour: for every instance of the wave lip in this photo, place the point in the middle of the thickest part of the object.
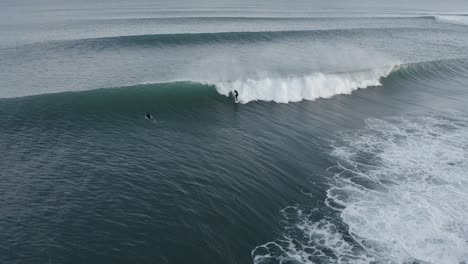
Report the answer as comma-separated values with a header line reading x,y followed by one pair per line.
x,y
298,88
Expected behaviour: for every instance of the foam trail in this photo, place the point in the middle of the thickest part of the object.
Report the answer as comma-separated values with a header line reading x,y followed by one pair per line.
x,y
463,20
419,210
400,195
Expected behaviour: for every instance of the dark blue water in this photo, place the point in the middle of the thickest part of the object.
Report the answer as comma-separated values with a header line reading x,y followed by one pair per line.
x,y
348,144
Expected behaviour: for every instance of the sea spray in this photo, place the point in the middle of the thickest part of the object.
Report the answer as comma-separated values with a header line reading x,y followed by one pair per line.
x,y
307,72
309,87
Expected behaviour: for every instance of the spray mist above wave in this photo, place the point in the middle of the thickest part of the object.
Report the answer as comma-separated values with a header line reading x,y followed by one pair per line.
x,y
307,71
399,193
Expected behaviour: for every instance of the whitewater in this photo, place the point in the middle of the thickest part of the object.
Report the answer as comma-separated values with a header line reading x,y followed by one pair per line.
x,y
295,89
398,187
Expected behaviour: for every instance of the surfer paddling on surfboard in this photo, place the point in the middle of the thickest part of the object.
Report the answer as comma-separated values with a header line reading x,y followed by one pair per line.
x,y
149,117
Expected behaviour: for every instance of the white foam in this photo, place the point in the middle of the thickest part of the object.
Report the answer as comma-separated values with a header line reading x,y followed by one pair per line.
x,y
454,19
307,241
308,87
400,193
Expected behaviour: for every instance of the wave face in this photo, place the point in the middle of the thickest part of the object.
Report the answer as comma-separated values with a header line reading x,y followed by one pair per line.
x,y
399,190
309,87
460,19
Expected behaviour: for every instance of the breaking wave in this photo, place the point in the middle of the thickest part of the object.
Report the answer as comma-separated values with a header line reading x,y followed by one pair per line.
x,y
309,87
275,87
399,195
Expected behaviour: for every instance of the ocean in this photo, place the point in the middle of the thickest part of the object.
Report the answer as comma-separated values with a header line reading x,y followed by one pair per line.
x,y
348,143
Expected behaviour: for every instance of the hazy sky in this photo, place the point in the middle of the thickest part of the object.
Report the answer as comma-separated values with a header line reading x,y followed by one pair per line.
x,y
44,11
433,5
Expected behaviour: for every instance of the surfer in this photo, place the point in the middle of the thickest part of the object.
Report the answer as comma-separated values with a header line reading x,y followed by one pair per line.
x,y
149,117
236,94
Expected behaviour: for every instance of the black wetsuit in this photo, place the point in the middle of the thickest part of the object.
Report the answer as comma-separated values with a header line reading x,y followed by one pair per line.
x,y
236,94
149,116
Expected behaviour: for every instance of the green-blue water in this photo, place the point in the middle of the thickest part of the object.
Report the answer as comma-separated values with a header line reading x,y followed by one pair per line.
x,y
349,143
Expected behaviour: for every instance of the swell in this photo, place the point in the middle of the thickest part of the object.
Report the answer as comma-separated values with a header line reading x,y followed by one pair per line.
x,y
309,87
435,70
214,18
452,19
187,39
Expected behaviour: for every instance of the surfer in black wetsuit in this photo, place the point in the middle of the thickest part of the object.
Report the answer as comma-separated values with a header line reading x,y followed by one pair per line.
x,y
236,94
149,117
